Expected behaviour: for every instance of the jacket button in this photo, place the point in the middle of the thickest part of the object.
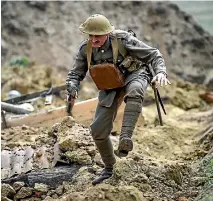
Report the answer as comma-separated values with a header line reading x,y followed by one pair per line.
x,y
102,51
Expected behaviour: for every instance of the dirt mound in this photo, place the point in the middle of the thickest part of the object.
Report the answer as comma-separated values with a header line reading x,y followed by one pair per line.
x,y
162,166
29,79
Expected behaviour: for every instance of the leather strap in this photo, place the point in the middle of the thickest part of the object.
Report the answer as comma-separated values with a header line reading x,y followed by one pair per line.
x,y
89,52
114,43
121,48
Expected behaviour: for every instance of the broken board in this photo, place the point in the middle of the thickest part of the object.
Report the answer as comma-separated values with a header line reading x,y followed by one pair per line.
x,y
82,111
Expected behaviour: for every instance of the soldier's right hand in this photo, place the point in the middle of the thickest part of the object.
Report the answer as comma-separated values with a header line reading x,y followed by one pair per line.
x,y
72,91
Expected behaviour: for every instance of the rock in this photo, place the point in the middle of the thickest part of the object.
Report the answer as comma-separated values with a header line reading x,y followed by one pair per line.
x,y
50,192
5,199
7,191
59,190
41,5
198,181
41,187
61,128
210,84
31,199
47,198
173,172
182,199
4,48
17,185
68,143
24,192
54,196
141,178
107,192
79,156
68,121
91,150
82,178
186,99
97,159
16,28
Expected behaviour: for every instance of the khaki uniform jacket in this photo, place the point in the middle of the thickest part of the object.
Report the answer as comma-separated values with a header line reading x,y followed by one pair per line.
x,y
133,46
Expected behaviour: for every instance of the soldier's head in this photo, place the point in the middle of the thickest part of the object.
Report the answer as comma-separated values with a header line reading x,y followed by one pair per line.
x,y
98,27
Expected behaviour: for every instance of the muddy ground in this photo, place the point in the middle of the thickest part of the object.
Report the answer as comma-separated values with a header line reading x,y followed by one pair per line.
x,y
168,163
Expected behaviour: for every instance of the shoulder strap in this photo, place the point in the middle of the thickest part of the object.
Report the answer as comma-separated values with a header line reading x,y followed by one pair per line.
x,y
89,52
121,48
114,42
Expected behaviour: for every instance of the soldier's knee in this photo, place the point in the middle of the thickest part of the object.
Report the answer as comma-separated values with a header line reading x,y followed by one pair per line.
x,y
134,90
138,96
98,132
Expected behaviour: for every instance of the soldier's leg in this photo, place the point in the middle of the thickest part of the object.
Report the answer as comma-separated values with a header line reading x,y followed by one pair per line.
x,y
134,97
101,128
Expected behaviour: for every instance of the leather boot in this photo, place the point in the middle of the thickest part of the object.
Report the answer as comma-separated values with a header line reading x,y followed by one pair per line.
x,y
105,174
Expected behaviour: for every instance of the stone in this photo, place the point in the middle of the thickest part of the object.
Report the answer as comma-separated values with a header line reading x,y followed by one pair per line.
x,y
31,199
7,191
97,159
41,187
79,156
5,199
47,198
23,193
68,143
59,190
186,99
17,185
54,196
108,192
91,150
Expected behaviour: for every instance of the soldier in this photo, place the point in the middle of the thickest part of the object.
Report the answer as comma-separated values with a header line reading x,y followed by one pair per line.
x,y
115,59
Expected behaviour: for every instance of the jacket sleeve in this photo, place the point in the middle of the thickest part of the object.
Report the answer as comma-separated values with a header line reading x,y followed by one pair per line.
x,y
79,69
145,53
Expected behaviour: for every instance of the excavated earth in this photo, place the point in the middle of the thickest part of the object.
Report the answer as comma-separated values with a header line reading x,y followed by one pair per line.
x,y
168,162
173,162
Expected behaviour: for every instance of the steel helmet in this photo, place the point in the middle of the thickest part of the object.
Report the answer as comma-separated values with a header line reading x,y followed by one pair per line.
x,y
96,25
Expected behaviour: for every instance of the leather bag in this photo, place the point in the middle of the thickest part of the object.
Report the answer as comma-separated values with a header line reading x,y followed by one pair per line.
x,y
107,76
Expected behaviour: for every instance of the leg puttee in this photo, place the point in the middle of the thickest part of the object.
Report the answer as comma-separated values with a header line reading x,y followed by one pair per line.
x,y
131,114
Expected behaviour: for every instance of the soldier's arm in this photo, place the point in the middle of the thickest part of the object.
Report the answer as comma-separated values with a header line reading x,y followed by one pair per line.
x,y
145,53
79,69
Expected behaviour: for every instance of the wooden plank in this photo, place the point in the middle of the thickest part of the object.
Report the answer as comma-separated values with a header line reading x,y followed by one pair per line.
x,y
83,113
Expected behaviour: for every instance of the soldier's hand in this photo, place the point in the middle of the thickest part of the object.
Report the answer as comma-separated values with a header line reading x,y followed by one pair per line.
x,y
72,91
161,79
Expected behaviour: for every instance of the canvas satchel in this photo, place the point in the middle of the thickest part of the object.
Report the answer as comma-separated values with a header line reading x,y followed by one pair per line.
x,y
107,75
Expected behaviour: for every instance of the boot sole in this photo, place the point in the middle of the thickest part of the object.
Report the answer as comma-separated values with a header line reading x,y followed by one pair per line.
x,y
125,144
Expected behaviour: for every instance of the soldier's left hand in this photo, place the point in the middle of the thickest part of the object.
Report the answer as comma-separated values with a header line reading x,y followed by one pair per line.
x,y
161,79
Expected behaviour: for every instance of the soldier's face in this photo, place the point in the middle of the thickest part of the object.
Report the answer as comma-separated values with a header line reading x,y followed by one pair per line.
x,y
98,41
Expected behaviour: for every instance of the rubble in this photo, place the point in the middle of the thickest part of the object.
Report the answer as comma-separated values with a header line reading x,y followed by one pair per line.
x,y
59,161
